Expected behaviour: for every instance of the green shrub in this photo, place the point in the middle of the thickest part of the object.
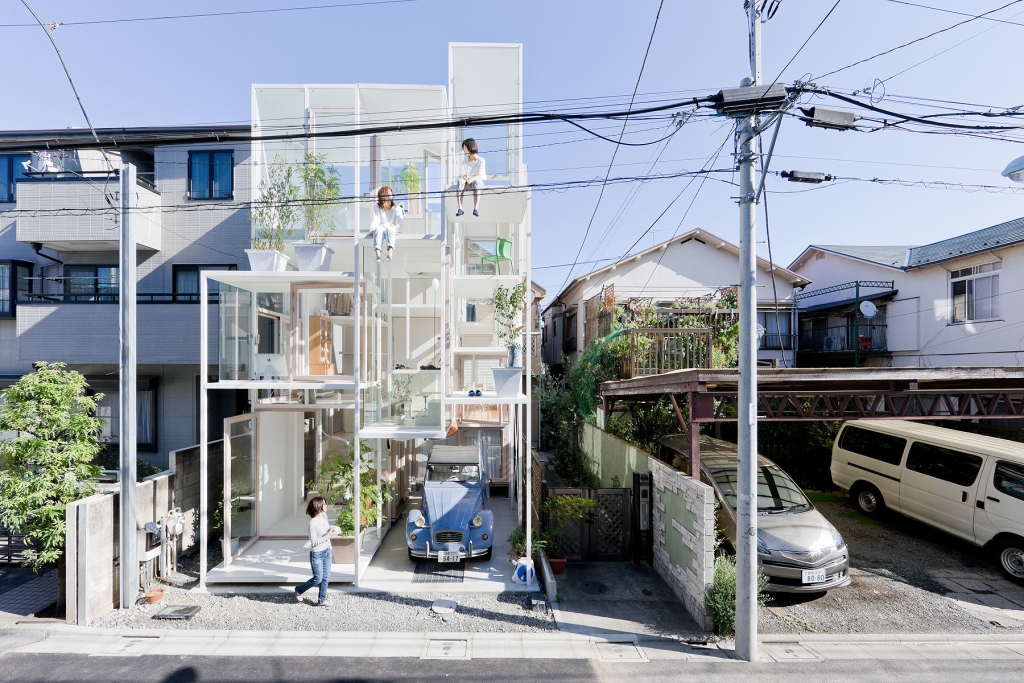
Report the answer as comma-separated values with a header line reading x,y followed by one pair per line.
x,y
721,597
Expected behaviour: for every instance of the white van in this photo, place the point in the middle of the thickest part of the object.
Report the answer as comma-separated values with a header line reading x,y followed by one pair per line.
x,y
969,485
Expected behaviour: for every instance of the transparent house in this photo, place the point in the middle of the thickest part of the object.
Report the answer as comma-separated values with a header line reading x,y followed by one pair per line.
x,y
372,358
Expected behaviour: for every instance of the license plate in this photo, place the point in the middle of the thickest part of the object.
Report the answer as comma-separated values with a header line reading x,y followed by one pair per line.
x,y
813,576
454,557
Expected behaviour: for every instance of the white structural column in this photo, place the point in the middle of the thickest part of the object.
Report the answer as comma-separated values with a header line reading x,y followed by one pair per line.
x,y
204,427
126,281
746,504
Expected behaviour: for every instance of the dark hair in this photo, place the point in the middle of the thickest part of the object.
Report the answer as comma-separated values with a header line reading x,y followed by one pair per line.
x,y
470,145
315,506
380,198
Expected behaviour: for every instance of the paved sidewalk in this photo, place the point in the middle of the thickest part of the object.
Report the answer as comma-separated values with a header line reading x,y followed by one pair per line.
x,y
29,598
466,646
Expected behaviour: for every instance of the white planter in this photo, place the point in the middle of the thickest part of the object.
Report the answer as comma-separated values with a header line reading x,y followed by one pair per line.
x,y
312,256
507,381
266,260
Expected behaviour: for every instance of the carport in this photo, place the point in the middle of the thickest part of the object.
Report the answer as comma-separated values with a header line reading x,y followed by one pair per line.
x,y
814,394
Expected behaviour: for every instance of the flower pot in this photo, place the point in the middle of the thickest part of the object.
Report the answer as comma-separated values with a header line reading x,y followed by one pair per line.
x,y
515,357
557,564
343,548
266,260
312,256
155,595
507,381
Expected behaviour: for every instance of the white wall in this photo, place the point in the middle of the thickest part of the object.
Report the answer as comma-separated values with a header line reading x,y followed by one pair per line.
x,y
281,461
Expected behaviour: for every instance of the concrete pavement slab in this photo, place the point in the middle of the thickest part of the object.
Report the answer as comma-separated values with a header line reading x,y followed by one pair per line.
x,y
789,652
347,644
939,651
989,651
891,651
246,644
497,646
127,647
303,644
839,651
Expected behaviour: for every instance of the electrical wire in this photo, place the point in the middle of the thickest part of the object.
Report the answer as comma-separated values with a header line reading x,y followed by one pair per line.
x,y
951,11
597,205
797,53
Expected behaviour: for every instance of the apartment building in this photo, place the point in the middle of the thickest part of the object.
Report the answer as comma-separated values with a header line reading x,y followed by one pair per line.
x,y
59,264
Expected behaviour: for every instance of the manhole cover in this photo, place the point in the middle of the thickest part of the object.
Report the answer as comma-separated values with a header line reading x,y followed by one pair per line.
x,y
11,638
594,588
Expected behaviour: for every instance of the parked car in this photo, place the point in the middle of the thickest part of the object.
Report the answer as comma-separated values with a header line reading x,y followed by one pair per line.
x,y
969,485
452,524
797,548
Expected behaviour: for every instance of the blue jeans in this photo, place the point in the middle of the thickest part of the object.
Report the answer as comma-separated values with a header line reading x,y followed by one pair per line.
x,y
321,564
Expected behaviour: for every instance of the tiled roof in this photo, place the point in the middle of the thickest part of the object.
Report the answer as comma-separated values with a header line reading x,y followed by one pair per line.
x,y
996,237
894,257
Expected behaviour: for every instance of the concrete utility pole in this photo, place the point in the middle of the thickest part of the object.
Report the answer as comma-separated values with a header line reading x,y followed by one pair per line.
x,y
126,317
746,503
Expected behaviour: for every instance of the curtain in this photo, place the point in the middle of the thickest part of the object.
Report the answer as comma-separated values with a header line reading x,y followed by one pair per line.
x,y
108,409
222,175
200,184
186,281
145,413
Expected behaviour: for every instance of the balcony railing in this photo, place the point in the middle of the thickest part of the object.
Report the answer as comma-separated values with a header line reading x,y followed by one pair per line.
x,y
844,339
113,297
568,344
653,351
777,342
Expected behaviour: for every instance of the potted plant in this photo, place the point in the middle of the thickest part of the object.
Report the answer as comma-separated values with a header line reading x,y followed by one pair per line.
x,y
517,544
560,510
409,181
401,392
320,191
335,481
508,305
273,213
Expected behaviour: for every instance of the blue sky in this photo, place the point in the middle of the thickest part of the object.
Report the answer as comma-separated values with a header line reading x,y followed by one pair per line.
x,y
199,71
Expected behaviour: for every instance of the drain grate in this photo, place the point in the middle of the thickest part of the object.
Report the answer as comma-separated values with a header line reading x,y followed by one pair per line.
x,y
594,588
11,638
429,571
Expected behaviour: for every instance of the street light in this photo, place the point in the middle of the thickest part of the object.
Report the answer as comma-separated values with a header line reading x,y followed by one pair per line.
x,y
1015,170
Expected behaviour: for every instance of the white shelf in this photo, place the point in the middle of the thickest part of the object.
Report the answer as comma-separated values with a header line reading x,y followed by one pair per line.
x,y
412,371
481,286
489,398
481,350
329,382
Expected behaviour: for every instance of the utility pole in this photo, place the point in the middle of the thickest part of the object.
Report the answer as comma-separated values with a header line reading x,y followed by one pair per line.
x,y
746,503
126,305
856,324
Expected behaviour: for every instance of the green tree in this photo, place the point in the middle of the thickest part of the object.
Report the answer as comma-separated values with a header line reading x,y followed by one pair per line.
x,y
321,189
49,463
275,210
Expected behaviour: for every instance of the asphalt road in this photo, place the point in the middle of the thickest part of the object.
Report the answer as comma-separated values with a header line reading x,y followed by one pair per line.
x,y
155,669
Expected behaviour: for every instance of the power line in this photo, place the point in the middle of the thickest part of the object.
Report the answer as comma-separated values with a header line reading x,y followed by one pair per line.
x,y
797,53
918,40
615,152
205,15
951,11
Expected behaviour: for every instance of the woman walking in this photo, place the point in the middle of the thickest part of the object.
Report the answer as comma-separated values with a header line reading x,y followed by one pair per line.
x,y
474,172
320,533
386,222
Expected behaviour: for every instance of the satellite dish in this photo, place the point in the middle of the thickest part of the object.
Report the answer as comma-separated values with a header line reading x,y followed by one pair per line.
x,y
868,309
760,331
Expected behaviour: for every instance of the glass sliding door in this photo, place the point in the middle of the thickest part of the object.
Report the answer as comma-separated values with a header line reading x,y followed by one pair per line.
x,y
240,484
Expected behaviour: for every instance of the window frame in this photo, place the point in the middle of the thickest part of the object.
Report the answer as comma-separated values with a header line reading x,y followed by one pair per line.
x,y
968,277
95,296
9,189
193,297
908,466
12,285
209,153
151,385
1016,468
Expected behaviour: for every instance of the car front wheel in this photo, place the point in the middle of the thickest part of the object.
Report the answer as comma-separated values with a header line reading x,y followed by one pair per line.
x,y
1010,554
867,499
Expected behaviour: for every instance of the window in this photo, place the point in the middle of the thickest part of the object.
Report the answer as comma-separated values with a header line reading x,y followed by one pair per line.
x,y
15,285
974,293
944,463
210,175
777,329
775,490
186,281
882,447
108,409
91,283
1009,479
569,342
489,441
468,474
12,169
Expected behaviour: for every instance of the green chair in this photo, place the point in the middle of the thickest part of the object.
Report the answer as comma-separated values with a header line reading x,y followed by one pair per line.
x,y
503,248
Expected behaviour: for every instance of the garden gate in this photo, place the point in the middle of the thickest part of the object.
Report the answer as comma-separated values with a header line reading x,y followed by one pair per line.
x,y
605,534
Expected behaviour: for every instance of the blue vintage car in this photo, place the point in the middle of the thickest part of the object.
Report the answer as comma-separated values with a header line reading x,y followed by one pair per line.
x,y
452,524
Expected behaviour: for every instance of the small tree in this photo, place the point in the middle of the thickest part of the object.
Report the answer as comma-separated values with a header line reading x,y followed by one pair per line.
x,y
321,189
508,305
276,209
49,463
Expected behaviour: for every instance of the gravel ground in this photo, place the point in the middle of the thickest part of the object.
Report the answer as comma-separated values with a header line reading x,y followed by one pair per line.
x,y
897,563
494,613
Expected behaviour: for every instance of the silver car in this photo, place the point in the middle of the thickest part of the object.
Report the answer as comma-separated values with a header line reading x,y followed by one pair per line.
x,y
797,548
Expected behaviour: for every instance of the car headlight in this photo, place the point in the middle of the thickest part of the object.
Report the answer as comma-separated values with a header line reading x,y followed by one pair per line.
x,y
421,522
477,521
838,538
762,548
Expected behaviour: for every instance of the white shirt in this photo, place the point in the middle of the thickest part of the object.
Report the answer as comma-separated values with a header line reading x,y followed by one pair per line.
x,y
386,220
475,170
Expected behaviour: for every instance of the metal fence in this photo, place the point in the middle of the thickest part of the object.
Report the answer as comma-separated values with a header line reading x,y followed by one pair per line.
x,y
865,338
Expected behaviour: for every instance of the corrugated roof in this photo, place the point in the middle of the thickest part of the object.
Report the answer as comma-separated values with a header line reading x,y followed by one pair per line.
x,y
891,256
986,239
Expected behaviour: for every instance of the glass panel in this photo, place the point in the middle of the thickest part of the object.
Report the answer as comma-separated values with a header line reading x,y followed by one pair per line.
x,y
17,172
944,463
186,281
80,282
5,287
775,490
235,309
107,285
222,175
882,447
144,410
6,188
108,409
200,175
1009,479
240,516
958,293
489,441
24,284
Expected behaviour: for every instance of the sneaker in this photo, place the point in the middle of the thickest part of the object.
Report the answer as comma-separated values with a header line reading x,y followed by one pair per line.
x,y
388,258
476,213
459,213
378,259
478,393
298,596
325,603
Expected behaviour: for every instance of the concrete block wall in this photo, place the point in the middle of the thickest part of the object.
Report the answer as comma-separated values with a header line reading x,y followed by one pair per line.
x,y
184,464
613,457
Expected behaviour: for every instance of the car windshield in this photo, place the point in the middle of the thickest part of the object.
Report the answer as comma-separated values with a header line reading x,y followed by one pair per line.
x,y
469,474
776,492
